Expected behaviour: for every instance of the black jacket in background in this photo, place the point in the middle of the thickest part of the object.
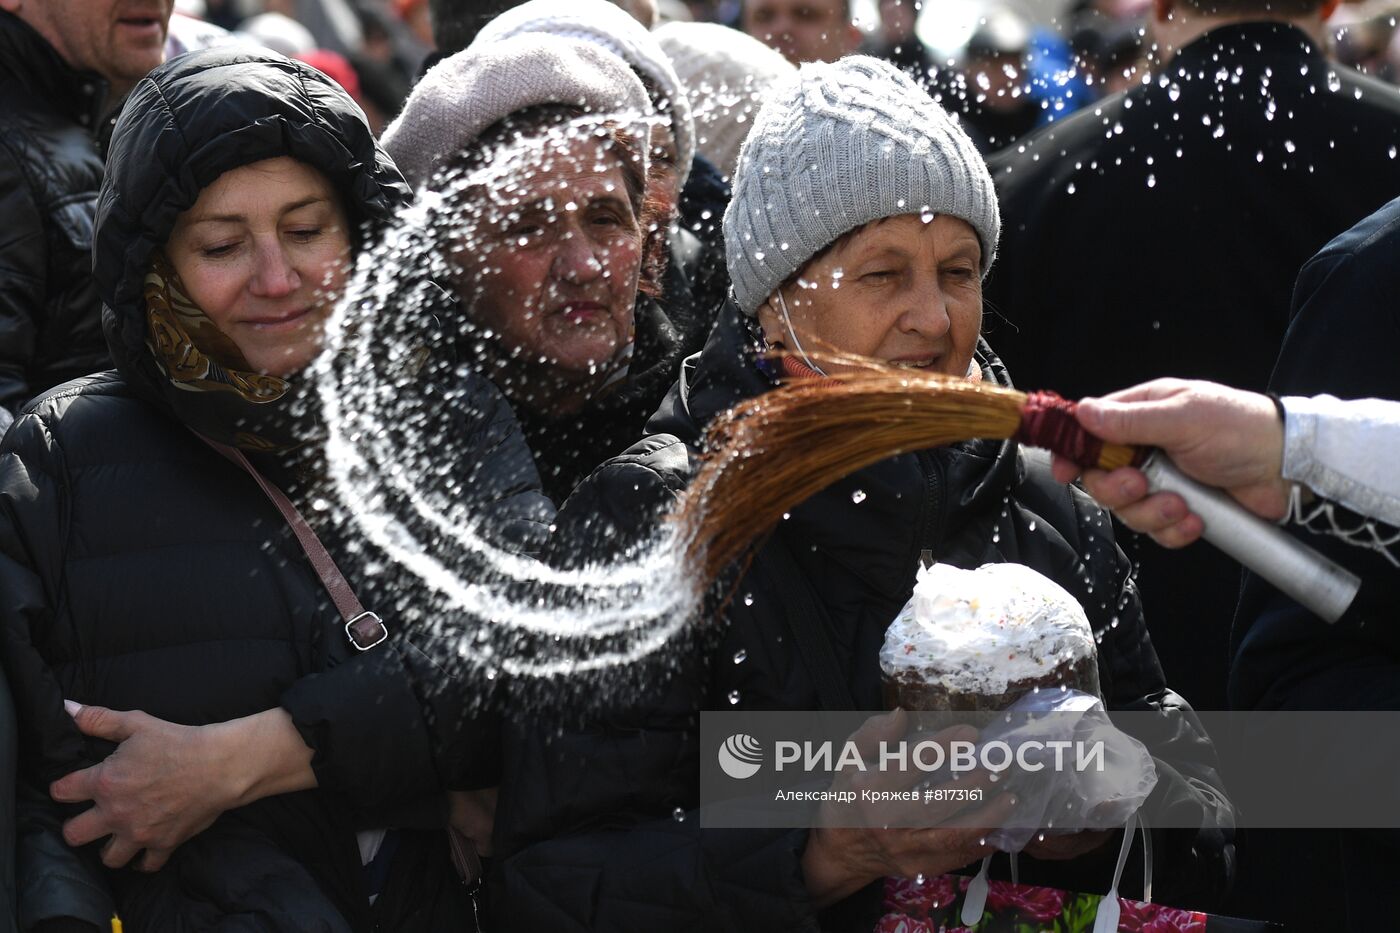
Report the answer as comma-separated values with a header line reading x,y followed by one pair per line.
x,y
50,170
587,828
1159,232
1343,341
141,570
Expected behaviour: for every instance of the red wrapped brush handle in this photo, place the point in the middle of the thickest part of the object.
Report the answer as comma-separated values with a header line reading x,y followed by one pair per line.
x,y
1048,422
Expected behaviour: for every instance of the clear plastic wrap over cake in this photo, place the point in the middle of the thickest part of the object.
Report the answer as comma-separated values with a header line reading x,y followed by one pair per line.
x,y
1060,798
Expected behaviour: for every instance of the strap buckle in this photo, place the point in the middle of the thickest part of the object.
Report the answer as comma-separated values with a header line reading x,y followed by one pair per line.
x,y
366,630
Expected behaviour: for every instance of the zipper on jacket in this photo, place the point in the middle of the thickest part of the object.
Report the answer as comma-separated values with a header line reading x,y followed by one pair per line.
x,y
931,527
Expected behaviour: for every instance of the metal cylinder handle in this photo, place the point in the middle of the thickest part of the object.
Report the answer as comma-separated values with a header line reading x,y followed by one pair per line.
x,y
1312,580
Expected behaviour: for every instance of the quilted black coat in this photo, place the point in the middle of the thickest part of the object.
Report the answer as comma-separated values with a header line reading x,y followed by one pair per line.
x,y
587,826
141,570
50,170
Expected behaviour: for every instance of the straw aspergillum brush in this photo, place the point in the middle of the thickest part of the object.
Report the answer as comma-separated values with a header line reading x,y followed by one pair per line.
x,y
774,451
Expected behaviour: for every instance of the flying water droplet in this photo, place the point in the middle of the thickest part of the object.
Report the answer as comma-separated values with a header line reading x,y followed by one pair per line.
x,y
740,656
858,496
734,698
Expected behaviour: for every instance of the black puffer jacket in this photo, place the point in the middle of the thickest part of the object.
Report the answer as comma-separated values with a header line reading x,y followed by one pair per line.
x,y
597,847
141,570
50,170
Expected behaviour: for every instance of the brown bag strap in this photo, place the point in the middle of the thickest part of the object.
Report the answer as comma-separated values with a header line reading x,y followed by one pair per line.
x,y
364,629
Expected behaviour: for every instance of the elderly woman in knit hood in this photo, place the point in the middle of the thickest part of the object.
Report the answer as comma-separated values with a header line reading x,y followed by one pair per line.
x,y
533,150
863,221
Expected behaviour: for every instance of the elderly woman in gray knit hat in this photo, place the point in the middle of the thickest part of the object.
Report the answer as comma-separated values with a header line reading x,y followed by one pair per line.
x,y
863,221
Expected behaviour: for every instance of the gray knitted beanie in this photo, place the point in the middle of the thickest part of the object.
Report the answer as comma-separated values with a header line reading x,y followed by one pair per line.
x,y
464,94
726,74
605,25
837,146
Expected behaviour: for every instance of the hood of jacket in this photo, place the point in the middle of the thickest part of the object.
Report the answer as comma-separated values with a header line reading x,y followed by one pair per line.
x,y
945,487
185,124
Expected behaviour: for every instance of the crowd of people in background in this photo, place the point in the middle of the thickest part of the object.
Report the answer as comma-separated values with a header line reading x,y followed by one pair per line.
x,y
1081,199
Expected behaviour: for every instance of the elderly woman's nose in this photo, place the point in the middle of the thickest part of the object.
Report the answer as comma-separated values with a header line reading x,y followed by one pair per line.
x,y
927,310
577,259
274,275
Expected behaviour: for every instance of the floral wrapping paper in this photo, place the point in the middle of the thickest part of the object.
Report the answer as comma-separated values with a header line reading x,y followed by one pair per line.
x,y
936,906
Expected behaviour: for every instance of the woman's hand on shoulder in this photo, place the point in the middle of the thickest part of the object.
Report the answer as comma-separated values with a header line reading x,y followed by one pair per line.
x,y
166,782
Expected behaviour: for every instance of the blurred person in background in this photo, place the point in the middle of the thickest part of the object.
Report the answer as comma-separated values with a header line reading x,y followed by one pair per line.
x,y
277,32
897,42
725,74
1193,167
332,23
65,67
385,64
802,30
1159,234
415,15
1361,35
1110,53
189,31
457,22
998,107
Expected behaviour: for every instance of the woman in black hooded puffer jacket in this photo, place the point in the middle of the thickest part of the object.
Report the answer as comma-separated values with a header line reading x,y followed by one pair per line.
x,y
142,570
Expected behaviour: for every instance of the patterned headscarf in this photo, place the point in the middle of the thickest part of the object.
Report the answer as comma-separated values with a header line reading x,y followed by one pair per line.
x,y
197,357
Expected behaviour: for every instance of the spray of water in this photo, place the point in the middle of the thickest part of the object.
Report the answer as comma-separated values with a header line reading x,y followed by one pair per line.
x,y
402,475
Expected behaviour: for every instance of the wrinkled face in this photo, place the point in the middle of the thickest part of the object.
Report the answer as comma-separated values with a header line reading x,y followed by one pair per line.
x,y
548,264
803,30
264,252
663,173
901,290
119,39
